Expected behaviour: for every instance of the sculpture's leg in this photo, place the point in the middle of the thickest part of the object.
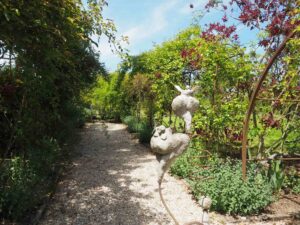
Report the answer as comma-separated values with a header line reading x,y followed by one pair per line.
x,y
165,161
159,170
187,117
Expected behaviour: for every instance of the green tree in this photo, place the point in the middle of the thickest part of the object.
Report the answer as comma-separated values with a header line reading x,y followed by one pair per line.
x,y
49,59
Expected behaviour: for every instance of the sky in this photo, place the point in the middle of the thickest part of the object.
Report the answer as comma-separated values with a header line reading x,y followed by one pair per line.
x,y
149,22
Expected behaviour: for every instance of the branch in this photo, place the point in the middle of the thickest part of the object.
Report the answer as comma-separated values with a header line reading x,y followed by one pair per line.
x,y
274,99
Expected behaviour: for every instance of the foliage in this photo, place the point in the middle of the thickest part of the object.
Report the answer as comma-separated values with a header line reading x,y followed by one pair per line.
x,y
230,193
28,180
222,181
133,124
145,133
47,60
223,72
277,112
296,187
224,77
292,181
104,99
276,19
185,165
276,175
141,127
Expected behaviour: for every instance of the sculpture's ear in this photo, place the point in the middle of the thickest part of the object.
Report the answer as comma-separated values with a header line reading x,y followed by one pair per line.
x,y
178,88
162,128
164,136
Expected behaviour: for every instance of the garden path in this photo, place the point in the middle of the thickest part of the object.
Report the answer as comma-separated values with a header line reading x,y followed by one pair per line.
x,y
113,181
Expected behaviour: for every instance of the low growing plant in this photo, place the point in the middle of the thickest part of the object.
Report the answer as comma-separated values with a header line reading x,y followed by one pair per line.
x,y
138,126
222,181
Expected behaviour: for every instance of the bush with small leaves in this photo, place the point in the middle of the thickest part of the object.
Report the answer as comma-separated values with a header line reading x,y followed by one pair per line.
x,y
138,126
223,183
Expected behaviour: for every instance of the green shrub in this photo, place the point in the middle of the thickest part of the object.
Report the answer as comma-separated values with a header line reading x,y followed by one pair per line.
x,y
229,193
223,182
138,126
25,183
296,187
185,164
292,181
132,123
145,133
276,175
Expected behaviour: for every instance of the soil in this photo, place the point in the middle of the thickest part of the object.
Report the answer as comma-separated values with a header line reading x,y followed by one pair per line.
x,y
113,181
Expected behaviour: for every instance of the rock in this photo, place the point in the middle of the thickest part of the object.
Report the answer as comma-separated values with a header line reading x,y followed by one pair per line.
x,y
205,202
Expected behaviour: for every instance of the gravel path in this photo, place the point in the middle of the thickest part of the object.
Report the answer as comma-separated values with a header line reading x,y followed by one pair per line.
x,y
113,181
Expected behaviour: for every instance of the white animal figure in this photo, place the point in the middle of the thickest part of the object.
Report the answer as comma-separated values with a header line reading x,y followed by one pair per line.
x,y
168,147
184,105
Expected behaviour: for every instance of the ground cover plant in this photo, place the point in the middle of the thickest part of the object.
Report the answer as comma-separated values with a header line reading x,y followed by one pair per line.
x,y
221,179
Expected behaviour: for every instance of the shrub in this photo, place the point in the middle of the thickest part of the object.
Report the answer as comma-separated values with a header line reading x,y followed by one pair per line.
x,y
185,164
138,126
132,123
292,181
145,133
27,182
223,182
296,187
230,194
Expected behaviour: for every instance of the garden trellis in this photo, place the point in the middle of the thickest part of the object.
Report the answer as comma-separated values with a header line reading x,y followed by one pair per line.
x,y
254,98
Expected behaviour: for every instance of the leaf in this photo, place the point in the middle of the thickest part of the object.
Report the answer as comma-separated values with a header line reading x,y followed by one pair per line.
x,y
17,12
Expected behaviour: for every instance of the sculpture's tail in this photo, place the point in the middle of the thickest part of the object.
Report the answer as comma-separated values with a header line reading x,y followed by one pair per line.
x,y
168,210
164,203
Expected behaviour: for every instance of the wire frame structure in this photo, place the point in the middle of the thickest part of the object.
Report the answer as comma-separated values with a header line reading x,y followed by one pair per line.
x,y
253,99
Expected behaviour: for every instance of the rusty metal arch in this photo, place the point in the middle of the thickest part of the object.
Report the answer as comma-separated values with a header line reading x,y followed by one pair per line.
x,y
253,98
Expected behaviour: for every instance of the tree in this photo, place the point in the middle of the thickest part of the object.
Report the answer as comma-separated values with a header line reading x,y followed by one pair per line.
x,y
279,20
47,59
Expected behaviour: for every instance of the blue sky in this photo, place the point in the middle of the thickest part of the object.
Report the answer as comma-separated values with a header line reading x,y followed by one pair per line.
x,y
148,22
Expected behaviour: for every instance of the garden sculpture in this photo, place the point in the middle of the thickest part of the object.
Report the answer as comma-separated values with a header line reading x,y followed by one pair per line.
x,y
168,145
184,105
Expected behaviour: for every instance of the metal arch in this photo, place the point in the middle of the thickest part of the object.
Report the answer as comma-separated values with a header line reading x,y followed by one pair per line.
x,y
253,100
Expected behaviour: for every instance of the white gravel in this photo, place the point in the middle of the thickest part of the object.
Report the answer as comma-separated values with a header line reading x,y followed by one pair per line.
x,y
113,181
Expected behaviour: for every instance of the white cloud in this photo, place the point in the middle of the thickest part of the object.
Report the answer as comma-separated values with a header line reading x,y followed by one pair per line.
x,y
157,20
107,53
155,24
